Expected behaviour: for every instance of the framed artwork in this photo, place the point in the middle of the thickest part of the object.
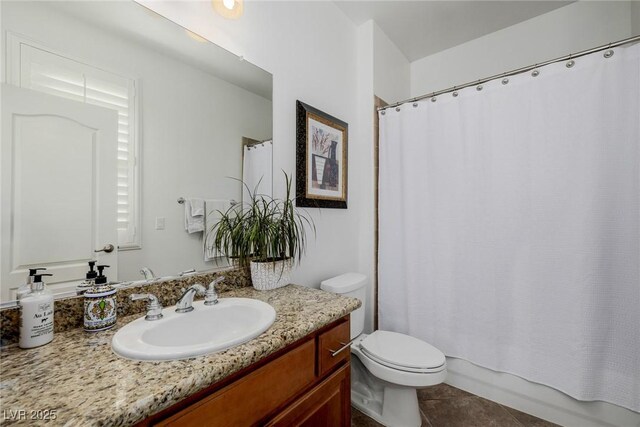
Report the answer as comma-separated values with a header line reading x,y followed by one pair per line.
x,y
321,159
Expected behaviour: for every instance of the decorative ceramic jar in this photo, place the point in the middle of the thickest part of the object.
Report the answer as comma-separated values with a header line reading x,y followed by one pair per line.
x,y
100,308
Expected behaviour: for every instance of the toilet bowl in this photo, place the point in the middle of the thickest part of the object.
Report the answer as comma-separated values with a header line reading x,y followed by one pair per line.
x,y
386,367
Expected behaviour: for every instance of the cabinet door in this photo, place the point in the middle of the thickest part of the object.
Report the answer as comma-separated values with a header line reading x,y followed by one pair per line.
x,y
328,404
251,398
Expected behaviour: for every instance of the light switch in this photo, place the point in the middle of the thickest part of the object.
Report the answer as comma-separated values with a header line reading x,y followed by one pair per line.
x,y
159,223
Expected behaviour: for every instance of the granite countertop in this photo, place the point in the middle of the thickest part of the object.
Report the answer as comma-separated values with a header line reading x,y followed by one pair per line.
x,y
85,383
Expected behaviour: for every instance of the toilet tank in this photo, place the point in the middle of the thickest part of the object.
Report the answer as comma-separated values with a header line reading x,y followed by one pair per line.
x,y
351,285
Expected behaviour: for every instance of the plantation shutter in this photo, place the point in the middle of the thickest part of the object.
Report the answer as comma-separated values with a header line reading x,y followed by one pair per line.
x,y
56,75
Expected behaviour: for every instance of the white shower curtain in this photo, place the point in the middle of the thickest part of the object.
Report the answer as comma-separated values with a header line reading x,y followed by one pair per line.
x,y
257,169
510,225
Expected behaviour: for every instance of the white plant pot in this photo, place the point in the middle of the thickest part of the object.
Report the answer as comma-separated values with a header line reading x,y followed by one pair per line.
x,y
270,275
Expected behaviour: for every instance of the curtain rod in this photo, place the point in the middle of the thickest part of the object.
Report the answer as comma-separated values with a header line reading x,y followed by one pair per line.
x,y
516,71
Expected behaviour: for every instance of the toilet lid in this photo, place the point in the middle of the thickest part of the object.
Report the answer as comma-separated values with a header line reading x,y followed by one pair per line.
x,y
402,350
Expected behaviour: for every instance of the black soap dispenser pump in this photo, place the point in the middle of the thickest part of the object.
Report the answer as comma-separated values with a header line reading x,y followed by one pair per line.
x,y
25,289
89,280
100,305
101,279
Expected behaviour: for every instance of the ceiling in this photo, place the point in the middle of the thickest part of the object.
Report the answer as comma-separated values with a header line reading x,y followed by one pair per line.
x,y
421,28
135,23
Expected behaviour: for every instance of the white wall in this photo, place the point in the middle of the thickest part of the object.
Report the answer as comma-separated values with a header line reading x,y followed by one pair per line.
x,y
391,69
310,48
578,26
635,18
364,182
192,129
382,71
572,28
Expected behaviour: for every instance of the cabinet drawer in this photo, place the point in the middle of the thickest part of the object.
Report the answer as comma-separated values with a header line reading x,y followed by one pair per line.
x,y
329,343
328,404
251,398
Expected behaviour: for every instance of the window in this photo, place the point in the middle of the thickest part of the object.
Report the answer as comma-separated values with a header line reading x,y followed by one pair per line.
x,y
37,68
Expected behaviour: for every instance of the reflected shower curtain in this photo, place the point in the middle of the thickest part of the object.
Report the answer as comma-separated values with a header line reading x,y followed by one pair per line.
x,y
510,225
257,169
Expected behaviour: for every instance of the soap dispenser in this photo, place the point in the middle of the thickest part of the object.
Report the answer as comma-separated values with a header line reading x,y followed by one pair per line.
x,y
26,288
100,304
89,281
36,315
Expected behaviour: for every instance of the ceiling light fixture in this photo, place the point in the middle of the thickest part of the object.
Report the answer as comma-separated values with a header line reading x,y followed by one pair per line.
x,y
230,9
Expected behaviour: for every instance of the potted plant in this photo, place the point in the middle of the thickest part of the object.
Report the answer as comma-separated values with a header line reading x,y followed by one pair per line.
x,y
266,233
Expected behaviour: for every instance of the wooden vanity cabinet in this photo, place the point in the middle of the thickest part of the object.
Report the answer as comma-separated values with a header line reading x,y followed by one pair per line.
x,y
305,384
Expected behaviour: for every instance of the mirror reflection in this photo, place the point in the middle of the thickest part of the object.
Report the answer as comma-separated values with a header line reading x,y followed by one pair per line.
x,y
111,116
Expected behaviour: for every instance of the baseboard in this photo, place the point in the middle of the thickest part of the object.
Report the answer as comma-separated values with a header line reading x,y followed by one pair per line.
x,y
536,399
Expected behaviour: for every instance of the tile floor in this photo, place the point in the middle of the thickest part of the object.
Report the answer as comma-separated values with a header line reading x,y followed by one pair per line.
x,y
447,406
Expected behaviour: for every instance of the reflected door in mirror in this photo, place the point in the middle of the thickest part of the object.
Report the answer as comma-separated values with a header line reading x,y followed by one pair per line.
x,y
58,186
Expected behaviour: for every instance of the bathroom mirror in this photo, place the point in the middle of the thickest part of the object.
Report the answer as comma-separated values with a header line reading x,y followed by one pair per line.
x,y
111,115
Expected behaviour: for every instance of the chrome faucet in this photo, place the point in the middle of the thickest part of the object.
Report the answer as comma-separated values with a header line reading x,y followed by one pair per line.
x,y
185,303
147,273
211,296
154,308
187,272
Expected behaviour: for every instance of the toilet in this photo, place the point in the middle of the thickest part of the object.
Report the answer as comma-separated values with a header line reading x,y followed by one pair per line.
x,y
387,368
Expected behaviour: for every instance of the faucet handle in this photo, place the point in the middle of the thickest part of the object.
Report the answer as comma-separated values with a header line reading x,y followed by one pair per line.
x,y
147,273
154,308
211,296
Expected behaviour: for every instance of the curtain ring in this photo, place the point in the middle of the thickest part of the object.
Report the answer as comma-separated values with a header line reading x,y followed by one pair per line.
x,y
505,80
479,87
609,52
571,62
535,73
455,92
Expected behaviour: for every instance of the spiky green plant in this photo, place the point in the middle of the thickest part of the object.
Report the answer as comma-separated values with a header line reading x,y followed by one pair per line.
x,y
227,236
264,229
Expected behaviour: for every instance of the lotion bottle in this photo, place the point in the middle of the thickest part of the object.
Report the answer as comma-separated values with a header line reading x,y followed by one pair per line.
x,y
36,315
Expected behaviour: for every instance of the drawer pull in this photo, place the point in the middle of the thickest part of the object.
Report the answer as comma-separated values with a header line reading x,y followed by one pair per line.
x,y
334,353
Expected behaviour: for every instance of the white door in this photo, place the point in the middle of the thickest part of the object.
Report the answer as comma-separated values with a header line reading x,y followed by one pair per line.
x,y
58,181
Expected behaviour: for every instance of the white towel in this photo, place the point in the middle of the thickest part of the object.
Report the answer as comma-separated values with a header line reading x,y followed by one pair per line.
x,y
194,215
197,207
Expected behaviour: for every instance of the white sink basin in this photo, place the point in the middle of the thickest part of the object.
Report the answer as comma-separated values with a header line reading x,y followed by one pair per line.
x,y
204,330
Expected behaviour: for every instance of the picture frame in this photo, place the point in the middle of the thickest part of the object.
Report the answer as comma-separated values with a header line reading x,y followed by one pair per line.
x,y
321,159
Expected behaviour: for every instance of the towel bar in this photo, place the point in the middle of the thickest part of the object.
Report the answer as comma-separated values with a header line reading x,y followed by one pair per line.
x,y
231,202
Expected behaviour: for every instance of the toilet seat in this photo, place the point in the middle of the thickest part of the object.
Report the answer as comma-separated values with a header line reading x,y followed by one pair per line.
x,y
404,368
396,374
402,352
